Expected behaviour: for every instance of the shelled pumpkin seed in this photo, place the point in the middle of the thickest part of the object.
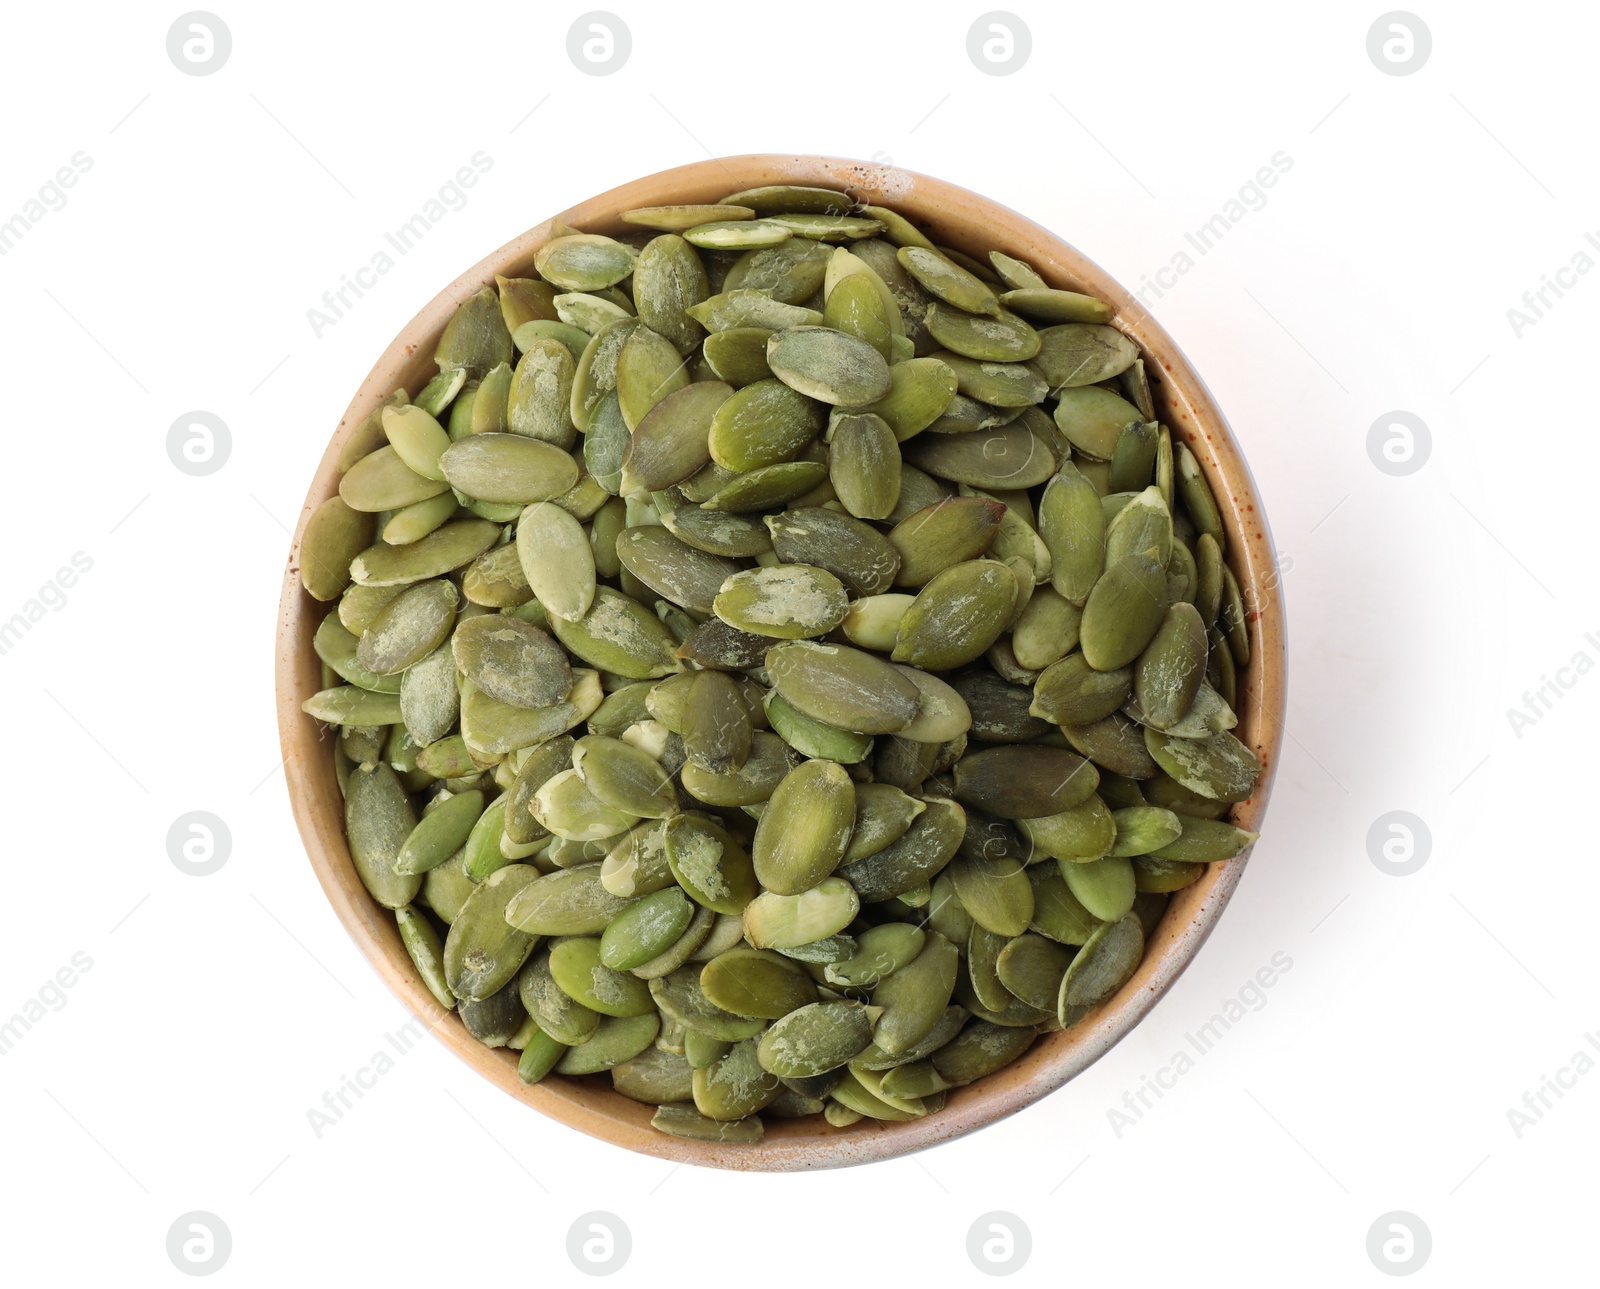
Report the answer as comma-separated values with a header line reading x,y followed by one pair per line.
x,y
793,697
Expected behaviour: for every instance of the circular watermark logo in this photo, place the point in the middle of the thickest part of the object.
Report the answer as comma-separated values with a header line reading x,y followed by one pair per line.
x,y
999,1243
598,43
1399,443
599,1243
198,43
999,43
198,843
1399,843
1399,43
199,1243
1399,1243
199,443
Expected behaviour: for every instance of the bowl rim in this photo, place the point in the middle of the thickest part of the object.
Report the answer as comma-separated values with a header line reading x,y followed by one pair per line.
x,y
960,218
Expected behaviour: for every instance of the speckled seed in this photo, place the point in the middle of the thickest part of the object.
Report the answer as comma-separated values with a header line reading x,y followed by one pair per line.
x,y
752,782
734,1087
674,569
440,552
1076,354
619,635
649,368
557,560
475,339
539,402
948,281
482,953
773,921
828,365
1123,612
844,687
408,628
576,966
1169,672
667,279
569,902
805,829
512,660
679,996
789,602
1220,767
914,998
957,616
763,424
853,551
916,856
584,261
624,777
671,442
334,535
1143,524
815,1039
1105,962
709,863
1081,833
378,817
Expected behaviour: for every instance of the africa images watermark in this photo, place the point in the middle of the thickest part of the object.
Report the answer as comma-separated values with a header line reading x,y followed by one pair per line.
x,y
51,995
51,596
1537,1103
337,1103
1249,997
1539,703
1539,301
1251,196
52,195
450,196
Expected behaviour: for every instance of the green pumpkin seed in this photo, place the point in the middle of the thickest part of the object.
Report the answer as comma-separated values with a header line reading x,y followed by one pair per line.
x,y
569,902
673,568
752,782
1220,767
734,1087
1073,528
1192,488
1080,833
813,738
645,929
859,305
710,865
495,579
853,551
576,967
1002,338
539,401
979,1050
427,954
792,272
756,982
738,355
918,854
773,921
512,661
874,621
763,424
778,198
1057,912
619,635
1092,418
1203,841
737,235
1153,875
496,1020
408,628
828,365
791,601
1009,456
681,998
1047,631
615,1040
843,687
1169,672
1001,389
920,391
1103,886
815,1039
1020,782
339,650
667,279
584,261
750,308
914,998
957,615
676,219
1115,743
768,486
655,1077
1106,961
624,777
440,833
1071,692
942,277
482,954
1032,968
805,830
416,438
378,818
596,374
1134,459
1042,304
996,892
687,1122
440,552
1123,612
864,465
1076,354
718,533
334,535
411,523
649,368
557,560
475,339
1144,829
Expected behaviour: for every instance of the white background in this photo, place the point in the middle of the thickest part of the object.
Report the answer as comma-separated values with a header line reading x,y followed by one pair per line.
x,y
218,1010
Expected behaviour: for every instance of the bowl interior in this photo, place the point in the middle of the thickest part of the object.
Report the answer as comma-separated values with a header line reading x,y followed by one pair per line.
x,y
955,217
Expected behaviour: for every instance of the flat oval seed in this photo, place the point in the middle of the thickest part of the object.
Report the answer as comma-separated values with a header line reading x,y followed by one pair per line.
x,y
996,892
334,535
496,1020
645,929
687,1122
440,833
789,602
995,391
1083,832
1104,887
1143,523
679,996
734,1087
1143,829
828,365
1102,966
440,552
675,219
957,616
382,481
1203,841
1003,338
1154,876
1123,612
942,535
773,921
353,705
637,865
509,468
557,560
569,902
753,782
919,854
853,551
737,235
844,687
1008,456
566,806
1220,768
763,424
624,777
482,953
1071,692
616,1039
942,714
914,998
584,261
1073,526
1169,672
619,635
1042,304
539,401
511,660
408,628
1032,968
417,438
378,817
672,441
805,829
673,568
1091,418
813,738
667,279
756,982
768,486
655,1077
776,199
575,964
815,1039
949,281
554,1011
1077,354
1024,781
864,465
717,732
709,863
920,391
1056,911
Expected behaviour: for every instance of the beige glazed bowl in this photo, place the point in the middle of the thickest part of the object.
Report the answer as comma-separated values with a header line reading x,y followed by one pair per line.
x,y
951,216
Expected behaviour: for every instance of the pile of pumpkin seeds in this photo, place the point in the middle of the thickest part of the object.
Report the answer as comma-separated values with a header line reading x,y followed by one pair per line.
x,y
779,664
